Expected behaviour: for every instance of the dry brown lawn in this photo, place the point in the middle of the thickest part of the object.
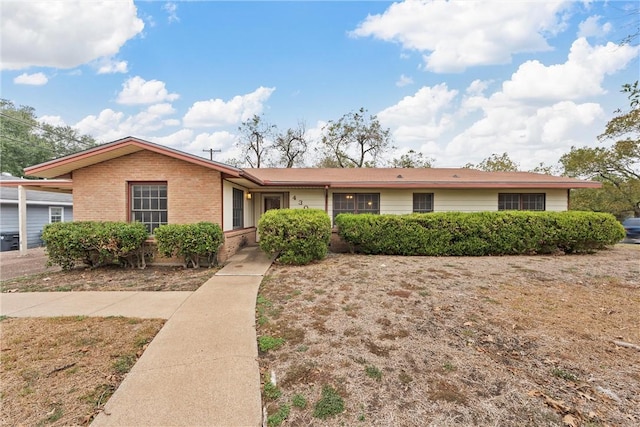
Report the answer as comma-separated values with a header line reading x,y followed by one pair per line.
x,y
61,371
488,341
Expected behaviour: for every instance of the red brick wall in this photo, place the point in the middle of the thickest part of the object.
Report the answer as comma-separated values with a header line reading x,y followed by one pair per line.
x,y
100,192
235,240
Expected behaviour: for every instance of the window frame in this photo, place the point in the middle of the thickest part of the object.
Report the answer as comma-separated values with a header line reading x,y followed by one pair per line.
x,y
51,214
428,203
522,204
237,212
132,204
354,203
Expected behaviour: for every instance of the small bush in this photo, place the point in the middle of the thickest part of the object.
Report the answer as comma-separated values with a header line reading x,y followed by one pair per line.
x,y
330,403
299,401
266,343
271,391
298,236
93,243
479,233
276,419
191,242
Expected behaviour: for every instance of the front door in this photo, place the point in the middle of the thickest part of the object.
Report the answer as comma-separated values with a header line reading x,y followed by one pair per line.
x,y
272,201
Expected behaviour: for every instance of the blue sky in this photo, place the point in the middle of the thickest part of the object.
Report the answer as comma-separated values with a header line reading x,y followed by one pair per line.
x,y
457,81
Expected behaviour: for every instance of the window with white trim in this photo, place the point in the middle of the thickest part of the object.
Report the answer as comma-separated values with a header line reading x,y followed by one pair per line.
x,y
56,214
149,204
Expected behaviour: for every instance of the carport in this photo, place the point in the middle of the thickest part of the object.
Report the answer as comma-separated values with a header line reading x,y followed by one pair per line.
x,y
51,185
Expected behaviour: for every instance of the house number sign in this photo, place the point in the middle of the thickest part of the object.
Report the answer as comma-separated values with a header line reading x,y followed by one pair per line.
x,y
300,202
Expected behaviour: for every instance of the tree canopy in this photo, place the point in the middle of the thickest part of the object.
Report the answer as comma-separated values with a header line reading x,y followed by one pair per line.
x,y
355,140
495,163
412,159
24,141
616,166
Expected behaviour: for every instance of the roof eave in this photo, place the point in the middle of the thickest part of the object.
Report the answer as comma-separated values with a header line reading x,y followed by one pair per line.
x,y
436,184
64,165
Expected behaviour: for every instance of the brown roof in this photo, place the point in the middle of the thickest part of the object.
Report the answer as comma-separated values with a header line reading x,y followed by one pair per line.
x,y
122,147
410,178
312,177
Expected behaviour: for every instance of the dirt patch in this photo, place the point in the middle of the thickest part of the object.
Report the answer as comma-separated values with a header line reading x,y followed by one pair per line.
x,y
416,341
61,371
112,278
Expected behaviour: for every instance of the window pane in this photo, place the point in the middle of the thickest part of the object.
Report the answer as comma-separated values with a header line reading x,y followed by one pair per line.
x,y
149,205
423,202
238,208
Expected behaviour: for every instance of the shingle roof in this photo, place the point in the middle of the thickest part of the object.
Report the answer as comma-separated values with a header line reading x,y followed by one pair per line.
x,y
411,178
316,177
11,194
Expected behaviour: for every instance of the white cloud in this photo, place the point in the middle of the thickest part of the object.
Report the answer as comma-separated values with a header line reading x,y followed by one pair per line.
x,y
161,109
217,112
178,140
171,9
580,76
591,27
420,117
35,79
64,34
137,90
52,120
529,134
455,35
404,81
477,87
110,125
111,66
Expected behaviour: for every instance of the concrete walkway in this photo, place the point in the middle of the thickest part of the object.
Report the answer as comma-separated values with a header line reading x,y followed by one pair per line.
x,y
147,305
201,369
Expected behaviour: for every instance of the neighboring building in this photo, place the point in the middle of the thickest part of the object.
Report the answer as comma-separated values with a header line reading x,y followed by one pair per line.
x,y
42,208
135,180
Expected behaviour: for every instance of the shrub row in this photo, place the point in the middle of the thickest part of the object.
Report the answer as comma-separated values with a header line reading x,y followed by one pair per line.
x,y
481,233
93,243
191,242
298,236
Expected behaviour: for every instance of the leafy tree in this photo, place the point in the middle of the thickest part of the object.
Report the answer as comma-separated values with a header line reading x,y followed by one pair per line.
x,y
546,169
24,141
495,163
254,141
291,146
355,140
617,166
412,159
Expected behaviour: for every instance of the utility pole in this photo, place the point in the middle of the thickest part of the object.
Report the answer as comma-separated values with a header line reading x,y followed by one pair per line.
x,y
211,151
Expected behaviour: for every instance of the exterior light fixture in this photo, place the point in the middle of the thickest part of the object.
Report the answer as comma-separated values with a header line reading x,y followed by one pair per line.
x,y
249,196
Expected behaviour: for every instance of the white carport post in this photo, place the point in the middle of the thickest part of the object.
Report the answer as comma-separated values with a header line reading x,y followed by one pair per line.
x,y
22,218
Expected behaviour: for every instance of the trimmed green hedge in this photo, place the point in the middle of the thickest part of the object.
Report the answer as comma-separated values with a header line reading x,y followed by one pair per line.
x,y
299,236
190,242
94,243
479,233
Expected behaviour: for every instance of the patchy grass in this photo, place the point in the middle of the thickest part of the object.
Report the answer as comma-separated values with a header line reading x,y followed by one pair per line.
x,y
422,341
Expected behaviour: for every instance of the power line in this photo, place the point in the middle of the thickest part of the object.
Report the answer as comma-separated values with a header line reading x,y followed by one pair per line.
x,y
52,130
